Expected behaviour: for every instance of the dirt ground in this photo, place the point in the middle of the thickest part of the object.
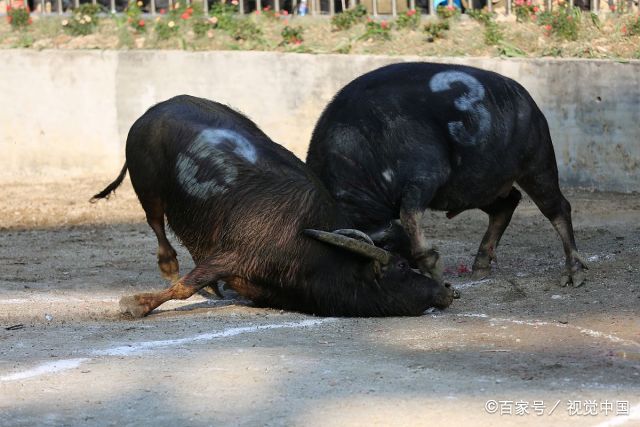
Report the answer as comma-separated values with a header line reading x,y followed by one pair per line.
x,y
513,341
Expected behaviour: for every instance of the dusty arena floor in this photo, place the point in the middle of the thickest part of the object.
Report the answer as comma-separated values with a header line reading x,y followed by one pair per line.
x,y
513,342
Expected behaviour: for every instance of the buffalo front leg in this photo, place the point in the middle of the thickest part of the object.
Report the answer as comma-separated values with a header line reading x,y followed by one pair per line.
x,y
140,305
426,257
500,213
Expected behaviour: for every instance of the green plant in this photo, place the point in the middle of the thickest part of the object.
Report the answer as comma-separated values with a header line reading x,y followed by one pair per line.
x,y
134,16
509,50
244,29
525,10
83,21
292,35
563,21
631,27
447,12
409,20
348,18
377,30
18,17
224,12
166,28
436,29
203,25
492,31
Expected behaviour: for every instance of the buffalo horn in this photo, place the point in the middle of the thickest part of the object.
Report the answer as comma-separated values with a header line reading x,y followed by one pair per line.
x,y
342,238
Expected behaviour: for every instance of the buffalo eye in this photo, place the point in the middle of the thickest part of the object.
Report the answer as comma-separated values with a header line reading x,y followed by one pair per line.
x,y
401,265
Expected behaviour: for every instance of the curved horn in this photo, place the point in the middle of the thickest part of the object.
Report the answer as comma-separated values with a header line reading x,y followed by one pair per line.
x,y
340,239
355,234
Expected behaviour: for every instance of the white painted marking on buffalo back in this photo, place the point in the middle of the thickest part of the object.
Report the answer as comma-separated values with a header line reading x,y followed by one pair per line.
x,y
470,103
45,368
205,147
146,346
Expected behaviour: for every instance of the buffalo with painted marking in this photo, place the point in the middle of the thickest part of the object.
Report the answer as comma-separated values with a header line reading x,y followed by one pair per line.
x,y
412,136
253,215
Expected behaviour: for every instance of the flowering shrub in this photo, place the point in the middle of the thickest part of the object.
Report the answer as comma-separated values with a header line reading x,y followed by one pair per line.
x,y
18,17
377,30
410,19
348,18
292,35
563,21
224,12
447,12
268,12
166,28
435,30
134,16
169,24
525,10
203,26
83,21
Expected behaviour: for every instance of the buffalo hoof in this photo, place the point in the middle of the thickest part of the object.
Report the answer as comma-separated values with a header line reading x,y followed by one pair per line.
x,y
130,306
169,268
575,279
480,273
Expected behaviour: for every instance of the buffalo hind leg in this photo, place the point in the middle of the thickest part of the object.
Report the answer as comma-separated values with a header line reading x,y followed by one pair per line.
x,y
500,213
545,193
204,274
414,202
167,256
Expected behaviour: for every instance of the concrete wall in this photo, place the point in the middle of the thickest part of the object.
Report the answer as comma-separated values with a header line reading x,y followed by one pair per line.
x,y
69,111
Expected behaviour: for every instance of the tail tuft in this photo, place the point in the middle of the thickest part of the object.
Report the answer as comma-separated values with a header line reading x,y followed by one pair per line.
x,y
106,193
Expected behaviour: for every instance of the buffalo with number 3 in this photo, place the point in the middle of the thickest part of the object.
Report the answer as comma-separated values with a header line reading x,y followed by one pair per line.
x,y
414,136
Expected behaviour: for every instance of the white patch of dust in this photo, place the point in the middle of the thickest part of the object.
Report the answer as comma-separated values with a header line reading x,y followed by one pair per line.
x,y
46,368
144,346
585,331
634,415
472,283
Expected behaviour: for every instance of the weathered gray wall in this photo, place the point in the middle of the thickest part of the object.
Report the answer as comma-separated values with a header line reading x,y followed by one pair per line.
x,y
69,111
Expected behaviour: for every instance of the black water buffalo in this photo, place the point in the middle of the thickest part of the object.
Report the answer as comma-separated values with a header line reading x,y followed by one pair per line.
x,y
412,136
253,215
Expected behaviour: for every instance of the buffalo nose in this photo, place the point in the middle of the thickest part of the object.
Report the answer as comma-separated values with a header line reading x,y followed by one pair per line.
x,y
456,294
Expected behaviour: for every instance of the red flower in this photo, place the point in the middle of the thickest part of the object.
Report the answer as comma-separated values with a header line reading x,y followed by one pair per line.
x,y
141,23
267,7
535,9
285,12
189,10
624,29
612,7
162,11
384,25
185,15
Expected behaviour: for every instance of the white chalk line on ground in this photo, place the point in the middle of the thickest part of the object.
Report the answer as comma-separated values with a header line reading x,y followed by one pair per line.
x,y
53,299
585,331
634,415
146,346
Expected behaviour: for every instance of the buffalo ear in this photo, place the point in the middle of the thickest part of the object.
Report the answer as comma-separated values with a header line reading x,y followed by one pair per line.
x,y
353,241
